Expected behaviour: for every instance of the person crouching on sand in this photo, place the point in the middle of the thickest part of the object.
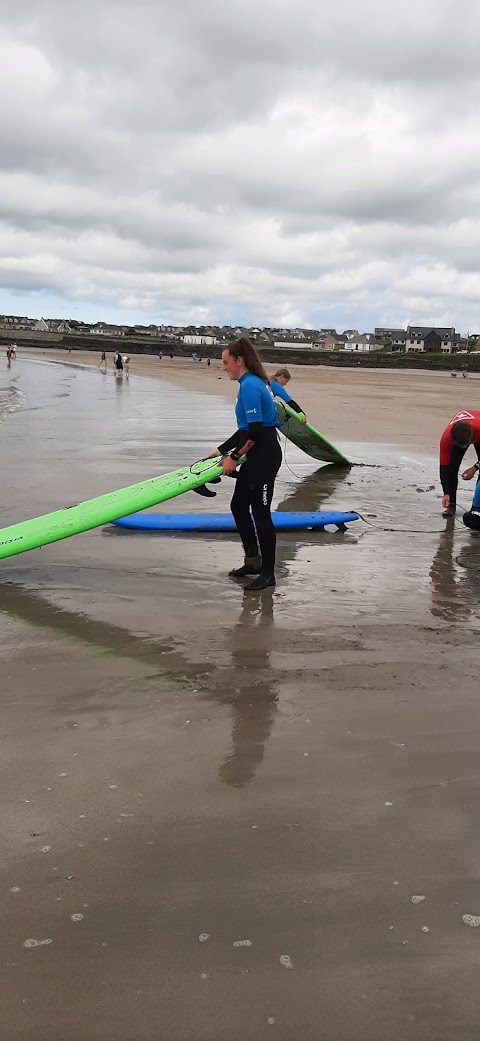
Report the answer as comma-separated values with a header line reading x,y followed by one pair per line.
x,y
462,431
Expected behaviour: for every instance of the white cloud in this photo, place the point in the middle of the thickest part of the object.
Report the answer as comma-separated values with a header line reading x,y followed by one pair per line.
x,y
289,162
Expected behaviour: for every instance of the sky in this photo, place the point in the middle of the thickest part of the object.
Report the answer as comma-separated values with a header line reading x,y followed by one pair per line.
x,y
257,162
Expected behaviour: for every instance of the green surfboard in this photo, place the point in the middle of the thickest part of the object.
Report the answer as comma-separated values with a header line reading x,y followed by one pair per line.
x,y
73,520
306,437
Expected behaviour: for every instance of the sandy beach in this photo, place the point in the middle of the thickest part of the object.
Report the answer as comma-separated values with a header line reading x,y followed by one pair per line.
x,y
227,817
371,405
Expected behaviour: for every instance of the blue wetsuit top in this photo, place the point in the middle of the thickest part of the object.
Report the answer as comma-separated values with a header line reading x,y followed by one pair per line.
x,y
254,402
255,412
278,390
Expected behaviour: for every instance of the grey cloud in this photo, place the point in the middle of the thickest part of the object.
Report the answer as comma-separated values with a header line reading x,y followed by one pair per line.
x,y
280,157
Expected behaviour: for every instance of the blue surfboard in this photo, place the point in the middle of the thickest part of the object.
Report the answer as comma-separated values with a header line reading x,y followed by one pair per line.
x,y
225,521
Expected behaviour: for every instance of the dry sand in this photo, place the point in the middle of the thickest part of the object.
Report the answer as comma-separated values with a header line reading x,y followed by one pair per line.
x,y
228,818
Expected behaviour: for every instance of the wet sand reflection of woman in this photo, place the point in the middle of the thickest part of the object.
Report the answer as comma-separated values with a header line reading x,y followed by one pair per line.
x,y
254,702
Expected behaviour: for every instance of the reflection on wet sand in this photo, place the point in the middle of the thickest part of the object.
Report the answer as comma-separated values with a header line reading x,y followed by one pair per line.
x,y
36,610
313,492
455,576
254,701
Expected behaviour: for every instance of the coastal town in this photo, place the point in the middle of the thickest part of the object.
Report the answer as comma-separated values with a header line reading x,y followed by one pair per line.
x,y
414,339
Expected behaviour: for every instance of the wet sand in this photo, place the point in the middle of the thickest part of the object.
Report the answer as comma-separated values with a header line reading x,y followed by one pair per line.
x,y
190,768
407,408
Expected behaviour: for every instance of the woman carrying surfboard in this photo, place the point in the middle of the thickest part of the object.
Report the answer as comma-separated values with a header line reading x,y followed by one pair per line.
x,y
256,438
278,383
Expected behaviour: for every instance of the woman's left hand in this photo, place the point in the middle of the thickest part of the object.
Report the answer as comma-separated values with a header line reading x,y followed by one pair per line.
x,y
304,419
228,466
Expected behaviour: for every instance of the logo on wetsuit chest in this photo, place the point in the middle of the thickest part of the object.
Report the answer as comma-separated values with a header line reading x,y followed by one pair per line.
x,y
461,415
265,495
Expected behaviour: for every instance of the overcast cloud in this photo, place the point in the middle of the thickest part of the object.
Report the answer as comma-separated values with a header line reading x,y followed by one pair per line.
x,y
270,162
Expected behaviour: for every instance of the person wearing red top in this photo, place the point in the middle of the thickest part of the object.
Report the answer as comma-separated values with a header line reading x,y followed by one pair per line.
x,y
462,431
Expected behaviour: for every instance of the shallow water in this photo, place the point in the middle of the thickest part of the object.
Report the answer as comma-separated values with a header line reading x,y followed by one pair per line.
x,y
71,433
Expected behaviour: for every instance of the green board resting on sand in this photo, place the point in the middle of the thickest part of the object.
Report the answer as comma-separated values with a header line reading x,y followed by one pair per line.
x,y
72,520
306,437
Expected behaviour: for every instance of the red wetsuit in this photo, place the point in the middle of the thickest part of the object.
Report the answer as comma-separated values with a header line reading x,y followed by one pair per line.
x,y
451,455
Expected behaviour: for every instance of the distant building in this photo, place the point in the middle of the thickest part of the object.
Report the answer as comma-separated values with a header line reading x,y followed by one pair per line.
x,y
293,343
197,340
8,321
395,338
327,342
431,340
103,329
360,343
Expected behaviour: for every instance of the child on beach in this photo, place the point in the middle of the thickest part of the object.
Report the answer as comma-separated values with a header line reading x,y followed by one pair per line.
x,y
278,383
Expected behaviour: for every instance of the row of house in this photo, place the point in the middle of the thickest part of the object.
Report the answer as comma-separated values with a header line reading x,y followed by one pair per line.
x,y
419,339
414,339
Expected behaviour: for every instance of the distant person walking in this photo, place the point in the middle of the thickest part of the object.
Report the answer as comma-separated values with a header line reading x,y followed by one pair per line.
x,y
278,383
126,366
103,361
9,357
13,348
118,365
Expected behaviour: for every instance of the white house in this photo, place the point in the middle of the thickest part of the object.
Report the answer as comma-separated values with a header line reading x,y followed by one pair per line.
x,y
292,343
102,329
360,343
198,340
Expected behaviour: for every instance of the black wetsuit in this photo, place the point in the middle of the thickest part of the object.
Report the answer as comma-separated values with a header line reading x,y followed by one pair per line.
x,y
257,438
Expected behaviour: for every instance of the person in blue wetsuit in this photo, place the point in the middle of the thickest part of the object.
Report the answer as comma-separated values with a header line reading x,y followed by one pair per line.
x,y
472,517
278,383
256,438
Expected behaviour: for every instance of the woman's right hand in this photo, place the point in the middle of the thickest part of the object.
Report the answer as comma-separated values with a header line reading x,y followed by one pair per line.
x,y
445,501
213,454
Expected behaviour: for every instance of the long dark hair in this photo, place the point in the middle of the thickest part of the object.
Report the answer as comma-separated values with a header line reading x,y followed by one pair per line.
x,y
243,348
